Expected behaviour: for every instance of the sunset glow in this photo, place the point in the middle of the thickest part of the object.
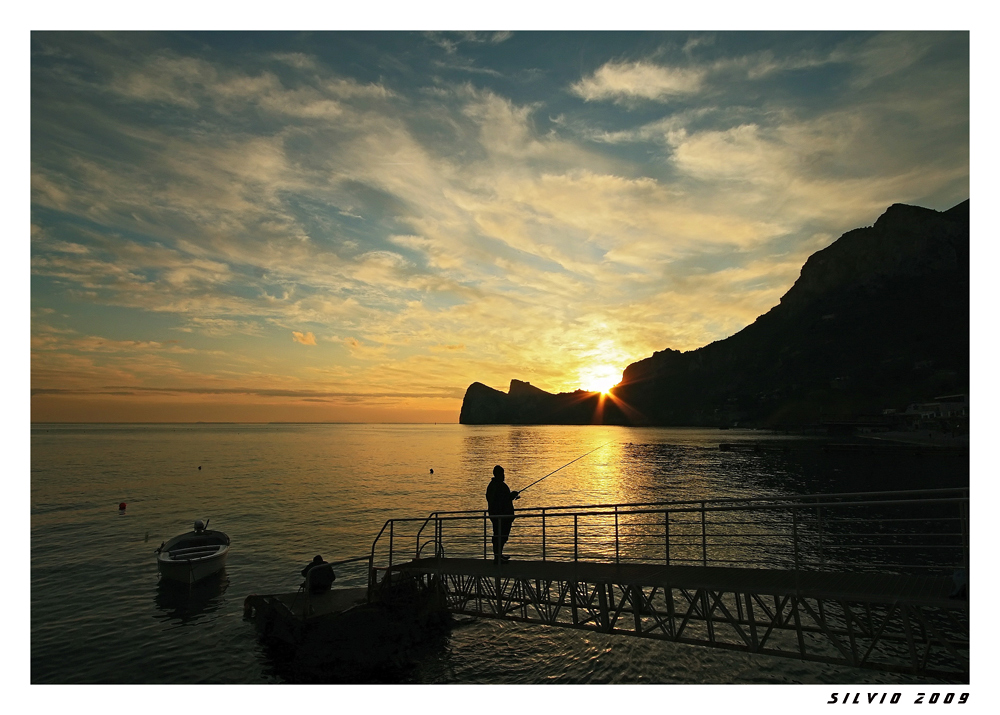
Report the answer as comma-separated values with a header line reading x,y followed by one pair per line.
x,y
356,226
600,379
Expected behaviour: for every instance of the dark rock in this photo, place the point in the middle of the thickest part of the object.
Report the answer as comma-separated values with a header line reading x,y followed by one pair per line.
x,y
526,404
482,405
878,319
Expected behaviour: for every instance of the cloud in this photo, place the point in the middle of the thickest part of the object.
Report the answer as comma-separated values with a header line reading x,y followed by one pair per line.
x,y
299,60
451,41
885,55
362,351
260,392
193,83
621,81
435,233
438,348
219,327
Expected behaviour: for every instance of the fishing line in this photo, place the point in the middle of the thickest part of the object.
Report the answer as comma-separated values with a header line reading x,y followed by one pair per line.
x,y
519,491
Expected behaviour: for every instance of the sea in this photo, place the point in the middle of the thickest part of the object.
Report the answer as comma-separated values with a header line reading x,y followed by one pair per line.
x,y
286,492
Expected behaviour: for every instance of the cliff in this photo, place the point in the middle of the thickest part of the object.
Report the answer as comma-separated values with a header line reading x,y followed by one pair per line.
x,y
526,404
878,319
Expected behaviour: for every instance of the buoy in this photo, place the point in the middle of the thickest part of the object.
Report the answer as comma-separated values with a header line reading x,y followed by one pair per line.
x,y
199,467
432,471
121,507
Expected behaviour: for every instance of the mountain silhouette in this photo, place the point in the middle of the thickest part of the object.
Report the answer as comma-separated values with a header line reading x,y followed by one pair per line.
x,y
877,320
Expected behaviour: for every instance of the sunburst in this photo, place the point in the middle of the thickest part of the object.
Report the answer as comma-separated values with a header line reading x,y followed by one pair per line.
x,y
599,378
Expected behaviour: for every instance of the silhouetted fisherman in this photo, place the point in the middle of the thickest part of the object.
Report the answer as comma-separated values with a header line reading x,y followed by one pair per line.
x,y
319,575
500,499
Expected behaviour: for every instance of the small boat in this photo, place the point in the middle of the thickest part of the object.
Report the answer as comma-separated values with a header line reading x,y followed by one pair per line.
x,y
193,556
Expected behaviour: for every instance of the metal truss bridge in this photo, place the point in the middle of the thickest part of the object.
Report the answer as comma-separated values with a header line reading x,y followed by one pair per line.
x,y
871,580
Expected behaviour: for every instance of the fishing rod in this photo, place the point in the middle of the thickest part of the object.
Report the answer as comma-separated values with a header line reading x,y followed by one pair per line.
x,y
519,491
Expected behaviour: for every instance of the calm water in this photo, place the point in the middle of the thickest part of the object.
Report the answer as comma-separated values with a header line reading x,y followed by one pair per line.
x,y
287,492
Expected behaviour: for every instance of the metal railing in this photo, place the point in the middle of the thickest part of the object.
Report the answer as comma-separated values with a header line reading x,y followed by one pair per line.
x,y
916,531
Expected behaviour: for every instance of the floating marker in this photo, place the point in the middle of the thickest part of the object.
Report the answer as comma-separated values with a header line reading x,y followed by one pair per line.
x,y
121,507
432,471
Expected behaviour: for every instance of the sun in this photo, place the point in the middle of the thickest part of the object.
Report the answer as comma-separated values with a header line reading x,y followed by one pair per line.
x,y
599,378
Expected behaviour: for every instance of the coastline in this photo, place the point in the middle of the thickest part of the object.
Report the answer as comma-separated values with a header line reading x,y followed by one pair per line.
x,y
928,438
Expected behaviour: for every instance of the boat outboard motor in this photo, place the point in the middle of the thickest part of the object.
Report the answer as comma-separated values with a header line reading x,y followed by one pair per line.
x,y
199,525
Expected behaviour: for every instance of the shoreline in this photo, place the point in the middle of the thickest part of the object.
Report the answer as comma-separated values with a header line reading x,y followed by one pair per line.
x,y
922,437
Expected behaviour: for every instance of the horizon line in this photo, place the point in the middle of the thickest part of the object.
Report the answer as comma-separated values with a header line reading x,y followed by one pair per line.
x,y
203,422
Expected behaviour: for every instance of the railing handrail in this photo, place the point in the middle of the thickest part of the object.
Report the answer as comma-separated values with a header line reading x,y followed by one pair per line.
x,y
807,515
723,500
608,510
349,561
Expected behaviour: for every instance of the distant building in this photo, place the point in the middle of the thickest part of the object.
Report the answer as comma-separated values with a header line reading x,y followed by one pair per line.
x,y
948,412
924,410
941,407
953,405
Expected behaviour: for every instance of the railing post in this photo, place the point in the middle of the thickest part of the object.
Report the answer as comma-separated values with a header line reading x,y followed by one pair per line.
x,y
963,508
819,520
371,576
391,524
616,534
485,513
416,553
439,540
576,539
666,535
795,535
704,539
543,534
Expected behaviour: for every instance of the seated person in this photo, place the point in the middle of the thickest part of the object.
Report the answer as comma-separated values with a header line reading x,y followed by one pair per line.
x,y
319,575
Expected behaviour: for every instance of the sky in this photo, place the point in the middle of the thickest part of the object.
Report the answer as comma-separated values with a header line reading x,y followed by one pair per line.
x,y
355,226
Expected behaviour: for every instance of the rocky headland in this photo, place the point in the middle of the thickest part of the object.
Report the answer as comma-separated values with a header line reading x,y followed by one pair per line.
x,y
876,321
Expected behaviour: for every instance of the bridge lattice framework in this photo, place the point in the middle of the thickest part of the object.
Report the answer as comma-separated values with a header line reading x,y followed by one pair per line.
x,y
866,580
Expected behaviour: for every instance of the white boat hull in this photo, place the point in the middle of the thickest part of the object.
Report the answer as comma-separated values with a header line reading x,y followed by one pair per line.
x,y
193,556
191,570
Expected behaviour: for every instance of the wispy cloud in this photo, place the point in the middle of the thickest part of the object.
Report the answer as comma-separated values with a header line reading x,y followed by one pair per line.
x,y
620,81
451,41
436,229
